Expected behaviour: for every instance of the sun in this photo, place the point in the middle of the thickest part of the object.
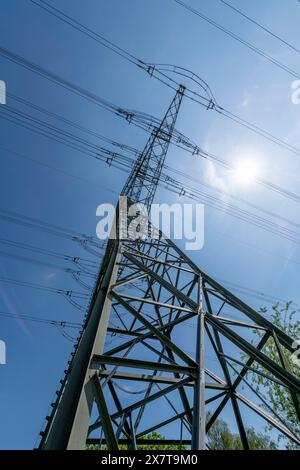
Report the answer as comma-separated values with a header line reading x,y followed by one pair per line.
x,y
246,171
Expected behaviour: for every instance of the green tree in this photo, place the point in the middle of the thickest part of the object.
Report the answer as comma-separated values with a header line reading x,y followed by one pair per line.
x,y
155,435
221,438
152,435
277,396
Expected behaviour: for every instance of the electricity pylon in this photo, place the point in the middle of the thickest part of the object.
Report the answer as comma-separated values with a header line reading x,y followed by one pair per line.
x,y
158,321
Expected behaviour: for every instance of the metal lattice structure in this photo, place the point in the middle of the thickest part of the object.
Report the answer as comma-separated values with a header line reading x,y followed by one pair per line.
x,y
144,177
164,346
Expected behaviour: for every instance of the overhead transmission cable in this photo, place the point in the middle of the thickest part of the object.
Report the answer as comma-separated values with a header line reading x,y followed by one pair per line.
x,y
166,167
259,295
230,33
144,120
56,169
261,26
47,321
128,162
123,162
72,296
45,263
48,228
155,70
163,70
178,140
17,282
78,261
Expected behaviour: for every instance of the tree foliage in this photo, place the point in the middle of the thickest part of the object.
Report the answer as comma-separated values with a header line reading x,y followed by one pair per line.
x,y
278,397
221,438
152,436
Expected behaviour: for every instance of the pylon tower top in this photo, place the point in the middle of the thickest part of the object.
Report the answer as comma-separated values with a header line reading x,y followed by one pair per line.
x,y
142,182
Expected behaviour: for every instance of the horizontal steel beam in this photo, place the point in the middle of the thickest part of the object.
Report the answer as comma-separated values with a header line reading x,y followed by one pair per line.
x,y
156,303
165,263
118,331
156,379
98,360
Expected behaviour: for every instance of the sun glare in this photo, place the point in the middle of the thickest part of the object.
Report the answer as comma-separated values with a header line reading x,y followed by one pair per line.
x,y
246,171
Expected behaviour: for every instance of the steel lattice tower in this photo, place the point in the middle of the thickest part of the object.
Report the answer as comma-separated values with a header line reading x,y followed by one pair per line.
x,y
177,333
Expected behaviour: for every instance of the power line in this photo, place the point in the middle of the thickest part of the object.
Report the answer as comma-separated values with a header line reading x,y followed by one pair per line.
x,y
77,126
72,259
211,104
143,120
180,188
88,149
209,101
167,168
230,33
241,289
47,321
243,215
159,71
48,228
227,194
129,115
68,293
83,266
80,27
56,169
257,294
72,296
123,162
180,140
283,41
49,265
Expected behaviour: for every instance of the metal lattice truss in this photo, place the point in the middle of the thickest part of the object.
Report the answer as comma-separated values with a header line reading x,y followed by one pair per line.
x,y
171,345
160,295
144,177
164,347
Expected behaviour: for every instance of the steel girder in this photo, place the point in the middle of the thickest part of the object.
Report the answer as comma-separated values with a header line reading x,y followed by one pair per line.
x,y
144,177
157,321
181,334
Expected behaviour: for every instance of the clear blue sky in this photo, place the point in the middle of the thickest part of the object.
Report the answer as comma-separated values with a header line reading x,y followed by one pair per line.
x,y
66,187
